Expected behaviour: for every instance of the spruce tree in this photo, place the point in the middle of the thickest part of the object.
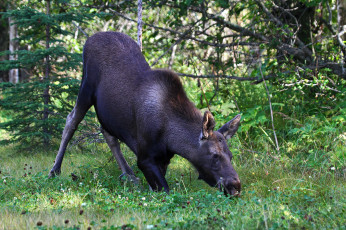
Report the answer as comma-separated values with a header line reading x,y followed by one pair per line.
x,y
38,106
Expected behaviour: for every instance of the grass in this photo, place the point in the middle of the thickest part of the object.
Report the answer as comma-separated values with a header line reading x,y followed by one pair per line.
x,y
277,194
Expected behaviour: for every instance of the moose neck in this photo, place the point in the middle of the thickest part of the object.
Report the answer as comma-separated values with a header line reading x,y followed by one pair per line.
x,y
184,137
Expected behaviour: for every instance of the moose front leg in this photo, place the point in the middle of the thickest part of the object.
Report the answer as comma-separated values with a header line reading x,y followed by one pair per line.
x,y
153,173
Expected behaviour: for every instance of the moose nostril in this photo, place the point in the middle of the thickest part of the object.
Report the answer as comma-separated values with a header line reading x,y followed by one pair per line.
x,y
237,185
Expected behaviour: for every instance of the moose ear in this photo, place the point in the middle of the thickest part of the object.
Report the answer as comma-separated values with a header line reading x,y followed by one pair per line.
x,y
231,127
208,125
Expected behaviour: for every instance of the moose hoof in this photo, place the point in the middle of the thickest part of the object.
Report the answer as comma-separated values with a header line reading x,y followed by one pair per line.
x,y
54,173
131,178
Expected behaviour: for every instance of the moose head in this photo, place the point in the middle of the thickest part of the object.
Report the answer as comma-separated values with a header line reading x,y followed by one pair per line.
x,y
214,157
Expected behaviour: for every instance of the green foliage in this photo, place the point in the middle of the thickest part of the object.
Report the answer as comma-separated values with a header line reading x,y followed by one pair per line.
x,y
39,105
25,102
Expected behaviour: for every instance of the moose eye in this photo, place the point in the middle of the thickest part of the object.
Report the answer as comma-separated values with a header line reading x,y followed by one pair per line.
x,y
215,160
220,140
215,156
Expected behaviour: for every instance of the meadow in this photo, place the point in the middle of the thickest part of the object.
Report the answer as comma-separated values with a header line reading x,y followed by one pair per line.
x,y
276,194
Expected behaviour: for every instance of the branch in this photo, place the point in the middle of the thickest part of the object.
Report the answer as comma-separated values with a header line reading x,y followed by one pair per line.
x,y
329,14
329,26
343,31
341,42
177,42
222,45
279,23
78,27
303,54
171,47
144,23
337,68
256,79
242,30
298,53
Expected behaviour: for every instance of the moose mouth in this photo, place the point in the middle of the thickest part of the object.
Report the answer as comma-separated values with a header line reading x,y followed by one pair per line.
x,y
228,190
232,191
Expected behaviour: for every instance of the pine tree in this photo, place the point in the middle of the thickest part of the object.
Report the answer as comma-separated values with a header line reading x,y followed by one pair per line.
x,y
38,107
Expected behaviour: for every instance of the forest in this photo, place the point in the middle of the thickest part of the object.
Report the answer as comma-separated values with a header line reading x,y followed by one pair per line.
x,y
280,64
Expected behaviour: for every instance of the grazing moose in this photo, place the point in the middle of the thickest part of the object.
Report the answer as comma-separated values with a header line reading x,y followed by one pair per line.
x,y
149,111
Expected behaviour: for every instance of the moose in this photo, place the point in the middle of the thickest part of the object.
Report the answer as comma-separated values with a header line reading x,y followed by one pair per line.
x,y
149,111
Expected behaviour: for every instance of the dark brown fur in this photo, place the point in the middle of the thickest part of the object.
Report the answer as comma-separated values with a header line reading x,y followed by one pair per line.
x,y
149,111
176,96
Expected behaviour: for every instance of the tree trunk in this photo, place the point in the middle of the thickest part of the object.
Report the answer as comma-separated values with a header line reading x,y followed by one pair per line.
x,y
171,60
4,39
13,74
139,25
46,95
342,18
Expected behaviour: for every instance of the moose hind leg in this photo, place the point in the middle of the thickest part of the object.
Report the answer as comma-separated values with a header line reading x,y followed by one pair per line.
x,y
114,145
72,122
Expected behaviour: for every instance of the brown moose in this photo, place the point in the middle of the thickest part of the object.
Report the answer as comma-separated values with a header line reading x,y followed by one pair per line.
x,y
149,111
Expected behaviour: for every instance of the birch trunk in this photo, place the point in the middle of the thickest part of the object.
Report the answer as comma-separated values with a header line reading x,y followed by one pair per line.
x,y
13,47
342,18
139,24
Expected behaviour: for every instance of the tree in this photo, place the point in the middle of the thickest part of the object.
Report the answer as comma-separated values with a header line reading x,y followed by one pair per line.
x,y
13,48
4,43
39,105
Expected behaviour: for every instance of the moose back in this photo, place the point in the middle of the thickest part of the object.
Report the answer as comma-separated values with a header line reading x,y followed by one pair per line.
x,y
149,111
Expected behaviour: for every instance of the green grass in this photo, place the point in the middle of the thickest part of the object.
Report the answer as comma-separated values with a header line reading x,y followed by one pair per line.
x,y
277,194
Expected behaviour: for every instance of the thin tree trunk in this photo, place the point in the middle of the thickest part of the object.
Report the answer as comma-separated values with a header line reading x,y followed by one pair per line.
x,y
171,60
139,24
271,111
341,33
13,47
342,17
46,95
